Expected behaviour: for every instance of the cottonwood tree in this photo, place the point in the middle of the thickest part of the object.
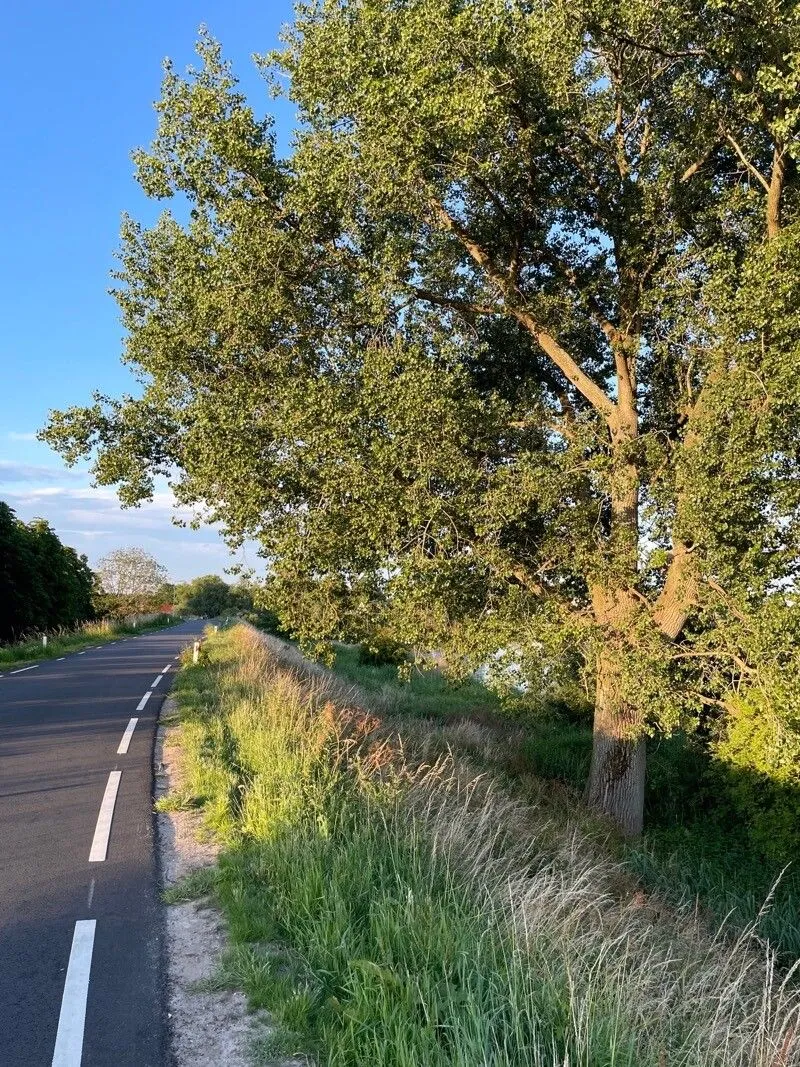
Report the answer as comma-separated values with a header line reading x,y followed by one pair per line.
x,y
509,345
131,577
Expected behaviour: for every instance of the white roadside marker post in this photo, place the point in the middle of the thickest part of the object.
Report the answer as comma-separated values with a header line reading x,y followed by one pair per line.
x,y
44,640
196,652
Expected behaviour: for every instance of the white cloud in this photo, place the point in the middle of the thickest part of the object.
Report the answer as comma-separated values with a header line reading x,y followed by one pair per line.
x,y
10,471
93,521
14,436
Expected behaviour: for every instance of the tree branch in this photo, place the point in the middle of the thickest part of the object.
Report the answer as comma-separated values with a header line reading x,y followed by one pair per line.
x,y
691,170
585,385
775,191
750,166
671,609
464,306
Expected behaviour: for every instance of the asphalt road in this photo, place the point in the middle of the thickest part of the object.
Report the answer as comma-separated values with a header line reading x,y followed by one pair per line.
x,y
61,724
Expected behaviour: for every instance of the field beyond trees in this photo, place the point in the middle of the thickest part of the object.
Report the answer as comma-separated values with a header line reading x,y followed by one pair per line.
x,y
389,905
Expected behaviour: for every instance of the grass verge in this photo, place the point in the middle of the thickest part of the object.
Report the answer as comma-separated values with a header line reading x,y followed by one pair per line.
x,y
90,633
393,908
694,853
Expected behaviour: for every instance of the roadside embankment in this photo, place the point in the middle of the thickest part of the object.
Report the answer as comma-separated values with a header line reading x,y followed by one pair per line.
x,y
390,906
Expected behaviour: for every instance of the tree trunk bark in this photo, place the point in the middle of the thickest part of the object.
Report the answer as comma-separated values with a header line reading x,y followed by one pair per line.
x,y
775,193
617,774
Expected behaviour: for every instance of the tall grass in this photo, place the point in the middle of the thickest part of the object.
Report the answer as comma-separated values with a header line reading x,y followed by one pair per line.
x,y
694,853
61,641
393,908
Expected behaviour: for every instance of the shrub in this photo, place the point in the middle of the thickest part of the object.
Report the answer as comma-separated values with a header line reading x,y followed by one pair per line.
x,y
381,650
759,769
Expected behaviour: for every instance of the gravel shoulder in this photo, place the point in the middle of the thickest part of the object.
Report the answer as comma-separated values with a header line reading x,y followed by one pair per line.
x,y
207,1028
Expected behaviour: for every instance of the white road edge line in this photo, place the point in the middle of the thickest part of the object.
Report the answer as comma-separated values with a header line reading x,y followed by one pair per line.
x,y
102,831
19,670
126,738
143,701
155,683
165,669
82,653
69,1037
60,659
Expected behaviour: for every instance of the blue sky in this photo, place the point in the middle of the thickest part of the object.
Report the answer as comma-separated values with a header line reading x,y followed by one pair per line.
x,y
79,81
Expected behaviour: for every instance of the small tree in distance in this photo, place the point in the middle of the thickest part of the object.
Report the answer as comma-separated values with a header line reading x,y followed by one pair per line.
x,y
129,580
208,596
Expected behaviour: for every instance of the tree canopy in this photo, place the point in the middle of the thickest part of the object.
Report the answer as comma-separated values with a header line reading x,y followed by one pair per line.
x,y
506,350
130,581
44,585
209,596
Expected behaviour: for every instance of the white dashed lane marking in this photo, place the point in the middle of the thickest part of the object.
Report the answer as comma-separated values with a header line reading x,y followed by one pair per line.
x,y
69,1037
143,701
126,738
102,831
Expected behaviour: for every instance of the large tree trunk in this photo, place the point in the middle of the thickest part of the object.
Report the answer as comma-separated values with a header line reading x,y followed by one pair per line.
x,y
617,775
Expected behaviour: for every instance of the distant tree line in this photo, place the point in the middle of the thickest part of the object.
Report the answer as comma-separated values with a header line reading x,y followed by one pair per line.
x,y
211,597
44,584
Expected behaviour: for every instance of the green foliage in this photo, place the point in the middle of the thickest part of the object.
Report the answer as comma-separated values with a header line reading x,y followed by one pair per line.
x,y
211,597
208,596
760,751
509,346
381,650
44,585
384,918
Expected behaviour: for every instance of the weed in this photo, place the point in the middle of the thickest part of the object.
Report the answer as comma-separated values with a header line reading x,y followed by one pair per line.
x,y
194,886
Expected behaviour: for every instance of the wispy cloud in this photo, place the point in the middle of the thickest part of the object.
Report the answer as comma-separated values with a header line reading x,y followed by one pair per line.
x,y
14,436
92,520
10,471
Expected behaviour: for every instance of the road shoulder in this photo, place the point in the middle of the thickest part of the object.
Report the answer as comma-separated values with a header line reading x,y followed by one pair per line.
x,y
207,1027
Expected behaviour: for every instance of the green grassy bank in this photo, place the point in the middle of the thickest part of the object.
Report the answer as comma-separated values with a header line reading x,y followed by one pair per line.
x,y
695,850
393,908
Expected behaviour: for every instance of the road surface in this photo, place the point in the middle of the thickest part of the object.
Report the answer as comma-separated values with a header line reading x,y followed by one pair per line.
x,y
81,976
